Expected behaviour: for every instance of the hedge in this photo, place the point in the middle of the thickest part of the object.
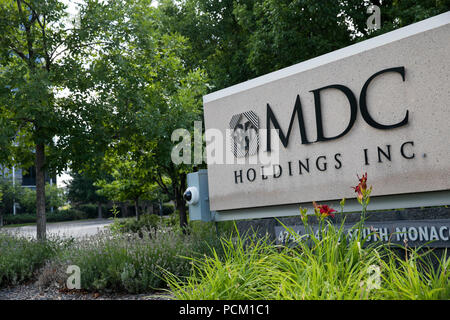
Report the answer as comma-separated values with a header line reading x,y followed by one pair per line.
x,y
57,216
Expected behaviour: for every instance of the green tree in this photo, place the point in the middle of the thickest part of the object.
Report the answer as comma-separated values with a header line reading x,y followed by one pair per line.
x,y
27,200
285,32
49,112
81,190
1,206
394,14
217,42
236,40
182,111
153,88
54,196
131,180
11,193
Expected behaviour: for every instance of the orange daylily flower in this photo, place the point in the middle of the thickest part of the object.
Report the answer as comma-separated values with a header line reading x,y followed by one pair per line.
x,y
324,210
362,181
361,188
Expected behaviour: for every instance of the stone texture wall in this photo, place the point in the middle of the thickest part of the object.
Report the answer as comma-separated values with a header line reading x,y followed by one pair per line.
x,y
267,225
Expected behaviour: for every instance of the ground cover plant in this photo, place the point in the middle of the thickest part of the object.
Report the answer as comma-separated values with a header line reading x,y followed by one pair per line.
x,y
206,262
133,256
21,257
132,262
323,265
330,269
130,257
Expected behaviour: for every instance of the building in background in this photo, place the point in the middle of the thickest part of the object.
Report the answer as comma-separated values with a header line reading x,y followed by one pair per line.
x,y
24,178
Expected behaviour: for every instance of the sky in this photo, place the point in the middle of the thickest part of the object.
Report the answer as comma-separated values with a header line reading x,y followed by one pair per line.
x,y
71,5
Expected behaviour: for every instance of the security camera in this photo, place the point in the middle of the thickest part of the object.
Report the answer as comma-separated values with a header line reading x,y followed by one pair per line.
x,y
191,195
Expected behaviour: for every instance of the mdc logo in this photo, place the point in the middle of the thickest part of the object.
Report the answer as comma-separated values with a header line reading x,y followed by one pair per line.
x,y
244,134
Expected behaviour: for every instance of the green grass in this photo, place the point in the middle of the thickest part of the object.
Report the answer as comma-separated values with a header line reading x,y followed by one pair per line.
x,y
199,265
325,268
415,277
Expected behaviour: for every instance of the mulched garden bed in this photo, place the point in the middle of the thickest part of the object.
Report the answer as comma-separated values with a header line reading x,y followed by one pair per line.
x,y
31,291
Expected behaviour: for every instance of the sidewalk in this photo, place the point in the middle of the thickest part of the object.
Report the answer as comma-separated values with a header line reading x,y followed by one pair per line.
x,y
75,229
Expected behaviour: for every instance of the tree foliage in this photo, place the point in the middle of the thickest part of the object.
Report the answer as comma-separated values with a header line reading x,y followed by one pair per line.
x,y
102,91
236,40
130,180
10,193
155,91
45,82
81,189
53,109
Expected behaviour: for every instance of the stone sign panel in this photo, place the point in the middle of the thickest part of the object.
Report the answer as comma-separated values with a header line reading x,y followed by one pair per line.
x,y
380,106
430,233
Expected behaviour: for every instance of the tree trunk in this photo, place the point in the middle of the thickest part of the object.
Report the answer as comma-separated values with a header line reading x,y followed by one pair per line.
x,y
99,210
40,192
136,208
181,203
183,214
124,209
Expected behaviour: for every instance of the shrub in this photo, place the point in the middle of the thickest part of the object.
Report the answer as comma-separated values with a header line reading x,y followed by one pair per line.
x,y
52,274
133,263
146,222
54,197
168,208
91,210
66,215
20,257
56,216
172,220
19,219
27,200
10,194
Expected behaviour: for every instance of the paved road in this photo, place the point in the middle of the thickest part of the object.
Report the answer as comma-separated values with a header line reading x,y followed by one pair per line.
x,y
76,229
